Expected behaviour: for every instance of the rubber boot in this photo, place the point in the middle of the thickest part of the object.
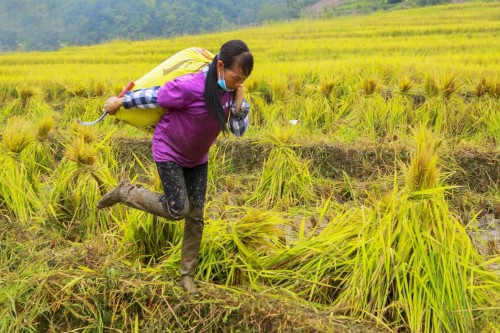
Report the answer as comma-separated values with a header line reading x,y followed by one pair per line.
x,y
191,241
137,197
113,196
187,283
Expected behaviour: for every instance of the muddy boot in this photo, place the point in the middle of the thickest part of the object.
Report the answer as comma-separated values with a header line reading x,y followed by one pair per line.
x,y
188,284
191,241
137,197
113,197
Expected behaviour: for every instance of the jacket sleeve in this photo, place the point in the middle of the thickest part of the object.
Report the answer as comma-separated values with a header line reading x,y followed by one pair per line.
x,y
170,95
141,98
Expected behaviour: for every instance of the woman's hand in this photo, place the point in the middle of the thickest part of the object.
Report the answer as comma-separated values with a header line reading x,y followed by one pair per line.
x,y
238,98
112,105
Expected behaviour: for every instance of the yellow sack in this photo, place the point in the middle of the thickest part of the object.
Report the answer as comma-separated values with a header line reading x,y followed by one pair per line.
x,y
187,61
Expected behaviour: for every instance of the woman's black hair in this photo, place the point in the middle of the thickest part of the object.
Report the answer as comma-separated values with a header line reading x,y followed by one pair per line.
x,y
232,53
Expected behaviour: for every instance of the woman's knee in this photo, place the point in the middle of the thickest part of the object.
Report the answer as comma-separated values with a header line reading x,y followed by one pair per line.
x,y
177,209
195,213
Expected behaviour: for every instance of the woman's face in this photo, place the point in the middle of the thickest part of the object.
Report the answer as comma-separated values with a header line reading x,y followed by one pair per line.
x,y
234,77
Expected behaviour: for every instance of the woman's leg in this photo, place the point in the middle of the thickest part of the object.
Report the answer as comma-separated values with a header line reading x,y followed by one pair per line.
x,y
185,188
138,197
172,205
184,196
175,199
196,185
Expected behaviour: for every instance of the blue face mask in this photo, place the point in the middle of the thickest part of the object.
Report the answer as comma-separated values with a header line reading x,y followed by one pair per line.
x,y
222,83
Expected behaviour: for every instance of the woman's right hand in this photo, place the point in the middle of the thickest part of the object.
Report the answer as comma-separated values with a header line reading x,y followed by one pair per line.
x,y
112,105
238,97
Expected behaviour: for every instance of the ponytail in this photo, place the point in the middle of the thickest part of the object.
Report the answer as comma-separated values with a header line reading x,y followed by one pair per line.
x,y
213,97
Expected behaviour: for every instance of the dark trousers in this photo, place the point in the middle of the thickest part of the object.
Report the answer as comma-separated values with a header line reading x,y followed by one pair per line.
x,y
184,196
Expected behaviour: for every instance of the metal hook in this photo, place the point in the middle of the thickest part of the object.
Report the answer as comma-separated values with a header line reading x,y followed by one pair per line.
x,y
90,123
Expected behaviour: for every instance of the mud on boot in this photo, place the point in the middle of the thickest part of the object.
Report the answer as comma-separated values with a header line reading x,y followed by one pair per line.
x,y
188,284
114,196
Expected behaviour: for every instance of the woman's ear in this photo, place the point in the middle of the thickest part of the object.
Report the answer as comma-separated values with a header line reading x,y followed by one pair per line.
x,y
220,67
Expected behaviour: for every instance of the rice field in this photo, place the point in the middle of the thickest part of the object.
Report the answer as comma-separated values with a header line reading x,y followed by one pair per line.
x,y
363,198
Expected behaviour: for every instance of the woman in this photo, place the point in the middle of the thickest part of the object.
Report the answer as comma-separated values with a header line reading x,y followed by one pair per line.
x,y
199,105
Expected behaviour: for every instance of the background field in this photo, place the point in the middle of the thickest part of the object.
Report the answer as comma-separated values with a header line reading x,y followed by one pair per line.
x,y
378,211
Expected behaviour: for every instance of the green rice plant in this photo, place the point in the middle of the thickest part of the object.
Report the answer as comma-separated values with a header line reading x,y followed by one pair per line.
x,y
219,165
495,88
149,238
310,90
431,86
448,113
43,127
405,85
339,100
91,136
317,115
371,86
259,107
4,94
344,87
285,180
42,151
415,267
97,89
24,94
23,97
37,108
262,89
481,88
402,109
77,89
87,133
19,188
449,85
485,110
465,120
27,250
81,108
327,86
377,118
79,181
13,108
492,121
434,113
449,116
423,171
343,106
295,84
278,113
16,317
17,135
279,87
127,297
109,156
55,92
234,247
316,267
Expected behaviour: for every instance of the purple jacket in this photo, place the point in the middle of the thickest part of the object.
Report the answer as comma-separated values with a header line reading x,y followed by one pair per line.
x,y
185,133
